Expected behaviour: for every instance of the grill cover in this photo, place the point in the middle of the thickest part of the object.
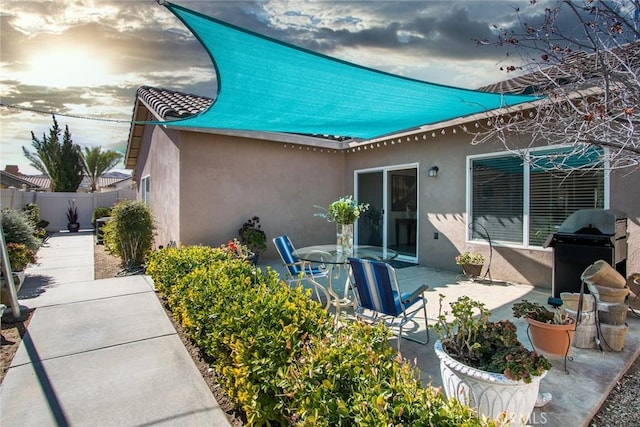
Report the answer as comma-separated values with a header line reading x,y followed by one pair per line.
x,y
587,221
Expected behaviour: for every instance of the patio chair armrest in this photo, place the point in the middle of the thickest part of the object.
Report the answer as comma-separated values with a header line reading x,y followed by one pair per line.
x,y
416,294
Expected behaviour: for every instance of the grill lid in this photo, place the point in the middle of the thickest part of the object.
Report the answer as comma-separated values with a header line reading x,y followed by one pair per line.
x,y
592,221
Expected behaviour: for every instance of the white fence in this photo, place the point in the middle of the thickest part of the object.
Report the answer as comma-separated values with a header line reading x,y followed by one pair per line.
x,y
53,206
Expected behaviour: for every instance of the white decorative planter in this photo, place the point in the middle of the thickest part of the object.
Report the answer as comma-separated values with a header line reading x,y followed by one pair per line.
x,y
491,394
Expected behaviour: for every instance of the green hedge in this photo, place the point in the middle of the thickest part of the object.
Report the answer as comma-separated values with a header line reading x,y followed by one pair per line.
x,y
279,357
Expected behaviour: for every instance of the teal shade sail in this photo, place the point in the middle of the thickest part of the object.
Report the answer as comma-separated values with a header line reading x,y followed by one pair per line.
x,y
270,86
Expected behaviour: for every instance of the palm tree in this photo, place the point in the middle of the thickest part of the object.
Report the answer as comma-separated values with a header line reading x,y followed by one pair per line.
x,y
98,162
61,161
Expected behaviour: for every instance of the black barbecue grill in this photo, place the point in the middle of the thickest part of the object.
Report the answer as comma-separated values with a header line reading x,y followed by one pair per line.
x,y
584,237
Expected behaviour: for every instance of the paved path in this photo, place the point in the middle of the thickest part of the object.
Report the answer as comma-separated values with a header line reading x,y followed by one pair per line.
x,y
99,352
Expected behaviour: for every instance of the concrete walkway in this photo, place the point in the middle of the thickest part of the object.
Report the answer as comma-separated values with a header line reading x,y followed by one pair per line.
x,y
99,352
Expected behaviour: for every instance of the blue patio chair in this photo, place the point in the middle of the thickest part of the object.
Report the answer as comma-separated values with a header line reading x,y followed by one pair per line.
x,y
298,269
377,291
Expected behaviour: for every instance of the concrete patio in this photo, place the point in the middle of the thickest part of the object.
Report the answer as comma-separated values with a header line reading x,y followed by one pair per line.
x,y
103,352
577,392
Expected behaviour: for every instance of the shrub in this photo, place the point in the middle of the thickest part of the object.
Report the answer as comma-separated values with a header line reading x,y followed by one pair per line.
x,y
20,256
354,377
100,212
33,213
129,234
18,229
169,265
278,356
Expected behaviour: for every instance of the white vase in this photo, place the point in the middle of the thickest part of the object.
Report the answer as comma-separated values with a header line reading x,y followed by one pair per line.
x,y
344,240
490,393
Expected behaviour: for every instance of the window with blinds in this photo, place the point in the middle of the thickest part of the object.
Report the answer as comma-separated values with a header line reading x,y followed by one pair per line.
x,y
499,186
497,199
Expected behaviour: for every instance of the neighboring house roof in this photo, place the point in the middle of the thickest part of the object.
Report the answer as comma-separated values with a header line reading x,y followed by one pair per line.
x,y
43,182
566,74
40,181
8,179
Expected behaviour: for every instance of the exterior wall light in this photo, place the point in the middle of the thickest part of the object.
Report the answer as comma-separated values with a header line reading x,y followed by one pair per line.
x,y
433,171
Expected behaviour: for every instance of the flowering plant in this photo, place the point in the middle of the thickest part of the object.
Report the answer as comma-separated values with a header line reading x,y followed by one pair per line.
x,y
237,249
20,256
343,211
470,258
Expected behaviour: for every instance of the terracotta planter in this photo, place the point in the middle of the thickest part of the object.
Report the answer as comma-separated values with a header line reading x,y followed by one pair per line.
x,y
607,294
472,270
602,274
490,393
551,339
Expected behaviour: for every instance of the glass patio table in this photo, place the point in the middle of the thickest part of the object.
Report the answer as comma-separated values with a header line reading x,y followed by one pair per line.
x,y
329,255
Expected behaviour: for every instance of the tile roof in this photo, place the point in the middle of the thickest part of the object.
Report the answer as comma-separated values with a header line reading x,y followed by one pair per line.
x,y
17,180
40,181
587,64
172,104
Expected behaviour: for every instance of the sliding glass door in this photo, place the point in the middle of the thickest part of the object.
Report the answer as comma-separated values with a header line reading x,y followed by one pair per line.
x,y
392,220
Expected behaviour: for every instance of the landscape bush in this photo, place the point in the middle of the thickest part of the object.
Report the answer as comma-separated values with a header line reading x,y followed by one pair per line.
x,y
278,355
100,212
18,228
32,211
129,233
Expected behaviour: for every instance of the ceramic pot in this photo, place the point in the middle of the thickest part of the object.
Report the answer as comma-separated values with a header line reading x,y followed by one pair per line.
x,y
472,270
602,274
73,227
607,294
490,393
551,339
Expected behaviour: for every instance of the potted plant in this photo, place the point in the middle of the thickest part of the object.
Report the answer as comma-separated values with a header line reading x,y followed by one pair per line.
x,y
72,217
252,236
483,364
551,331
238,250
471,263
20,256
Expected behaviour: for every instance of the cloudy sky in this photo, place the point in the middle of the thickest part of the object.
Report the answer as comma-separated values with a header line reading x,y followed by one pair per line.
x,y
84,59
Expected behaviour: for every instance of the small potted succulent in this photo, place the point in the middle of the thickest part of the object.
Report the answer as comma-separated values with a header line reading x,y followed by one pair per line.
x,y
471,263
483,364
551,331
72,217
252,236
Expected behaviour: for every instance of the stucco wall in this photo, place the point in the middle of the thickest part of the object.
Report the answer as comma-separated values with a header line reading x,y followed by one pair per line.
x,y
226,180
442,202
210,184
160,161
